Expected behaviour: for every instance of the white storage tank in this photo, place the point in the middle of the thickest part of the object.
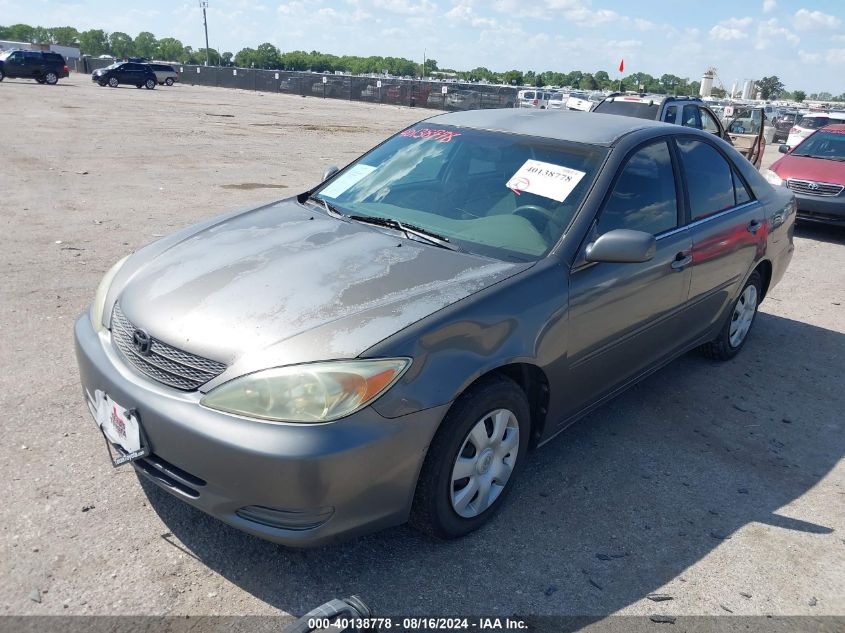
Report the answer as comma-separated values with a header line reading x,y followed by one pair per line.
x,y
707,83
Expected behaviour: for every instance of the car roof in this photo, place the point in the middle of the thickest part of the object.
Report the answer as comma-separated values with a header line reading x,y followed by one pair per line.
x,y
563,125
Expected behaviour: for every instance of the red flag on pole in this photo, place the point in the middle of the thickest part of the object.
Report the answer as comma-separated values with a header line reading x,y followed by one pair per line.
x,y
622,66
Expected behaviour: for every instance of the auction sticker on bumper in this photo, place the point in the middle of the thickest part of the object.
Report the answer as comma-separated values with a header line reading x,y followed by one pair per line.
x,y
120,427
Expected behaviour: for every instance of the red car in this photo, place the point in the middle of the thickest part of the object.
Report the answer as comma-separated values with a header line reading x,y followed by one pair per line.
x,y
815,172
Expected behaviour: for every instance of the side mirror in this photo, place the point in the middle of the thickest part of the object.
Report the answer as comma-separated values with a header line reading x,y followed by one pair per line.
x,y
330,171
784,149
622,246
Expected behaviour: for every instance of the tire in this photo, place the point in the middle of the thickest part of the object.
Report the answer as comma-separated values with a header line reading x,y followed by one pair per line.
x,y
102,84
139,86
446,506
113,82
51,78
734,333
169,81
150,84
1,75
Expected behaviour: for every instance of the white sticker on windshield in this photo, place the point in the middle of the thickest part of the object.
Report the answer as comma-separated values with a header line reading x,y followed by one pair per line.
x,y
346,180
545,179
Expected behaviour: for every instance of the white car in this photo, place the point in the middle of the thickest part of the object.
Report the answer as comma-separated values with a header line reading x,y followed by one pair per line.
x,y
811,122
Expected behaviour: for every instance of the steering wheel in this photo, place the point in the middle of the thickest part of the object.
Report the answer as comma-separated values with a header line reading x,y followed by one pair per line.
x,y
527,210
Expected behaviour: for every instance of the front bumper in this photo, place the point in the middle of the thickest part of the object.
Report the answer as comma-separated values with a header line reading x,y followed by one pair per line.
x,y
356,475
826,209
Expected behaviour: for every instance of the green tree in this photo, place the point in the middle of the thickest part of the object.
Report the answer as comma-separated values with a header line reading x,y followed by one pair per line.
x,y
770,87
121,44
430,66
94,42
18,33
145,45
799,96
513,77
602,76
213,56
226,59
588,82
64,35
170,49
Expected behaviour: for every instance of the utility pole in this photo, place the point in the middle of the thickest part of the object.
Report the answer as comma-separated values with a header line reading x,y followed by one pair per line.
x,y
204,5
423,72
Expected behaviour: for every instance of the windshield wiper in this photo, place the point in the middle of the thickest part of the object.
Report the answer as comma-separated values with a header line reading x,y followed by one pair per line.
x,y
836,158
408,229
329,207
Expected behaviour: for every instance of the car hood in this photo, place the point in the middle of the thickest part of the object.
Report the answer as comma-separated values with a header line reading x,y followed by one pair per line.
x,y
286,284
806,168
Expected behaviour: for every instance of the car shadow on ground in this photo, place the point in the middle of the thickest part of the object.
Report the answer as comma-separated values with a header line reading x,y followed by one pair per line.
x,y
829,233
614,508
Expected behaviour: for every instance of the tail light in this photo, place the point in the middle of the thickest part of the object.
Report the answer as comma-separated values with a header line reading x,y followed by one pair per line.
x,y
794,130
535,102
65,67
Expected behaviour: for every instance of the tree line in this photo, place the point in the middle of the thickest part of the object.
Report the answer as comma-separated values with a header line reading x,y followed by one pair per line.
x,y
96,42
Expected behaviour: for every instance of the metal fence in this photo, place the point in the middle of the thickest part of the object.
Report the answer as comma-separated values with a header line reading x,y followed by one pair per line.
x,y
408,92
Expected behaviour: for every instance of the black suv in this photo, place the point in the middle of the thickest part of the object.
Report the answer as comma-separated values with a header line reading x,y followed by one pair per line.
x,y
42,66
126,73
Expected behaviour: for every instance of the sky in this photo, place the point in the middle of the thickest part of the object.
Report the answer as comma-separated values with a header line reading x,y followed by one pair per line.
x,y
800,41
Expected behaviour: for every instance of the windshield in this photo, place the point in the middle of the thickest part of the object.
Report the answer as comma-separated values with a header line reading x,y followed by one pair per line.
x,y
638,109
5,54
114,65
823,144
495,194
814,122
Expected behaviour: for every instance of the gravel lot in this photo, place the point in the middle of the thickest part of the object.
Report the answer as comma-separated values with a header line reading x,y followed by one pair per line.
x,y
720,485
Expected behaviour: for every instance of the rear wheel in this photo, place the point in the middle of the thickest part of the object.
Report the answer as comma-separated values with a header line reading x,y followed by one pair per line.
x,y
150,84
1,75
169,81
51,78
735,331
471,463
113,82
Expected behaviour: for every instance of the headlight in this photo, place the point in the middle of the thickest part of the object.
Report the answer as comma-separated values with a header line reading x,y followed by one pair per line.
x,y
100,298
308,394
773,178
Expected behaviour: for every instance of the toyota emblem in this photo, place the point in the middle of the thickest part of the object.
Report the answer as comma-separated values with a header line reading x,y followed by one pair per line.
x,y
142,342
813,185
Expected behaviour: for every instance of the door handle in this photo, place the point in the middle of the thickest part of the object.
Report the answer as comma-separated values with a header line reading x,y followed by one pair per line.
x,y
753,226
682,260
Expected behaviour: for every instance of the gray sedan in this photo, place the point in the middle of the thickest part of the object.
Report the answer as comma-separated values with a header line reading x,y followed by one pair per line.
x,y
390,344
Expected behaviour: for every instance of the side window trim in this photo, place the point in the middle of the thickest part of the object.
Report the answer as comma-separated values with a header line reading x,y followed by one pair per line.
x,y
734,171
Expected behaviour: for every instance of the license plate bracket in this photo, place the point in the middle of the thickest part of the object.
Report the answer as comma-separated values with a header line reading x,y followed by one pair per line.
x,y
121,429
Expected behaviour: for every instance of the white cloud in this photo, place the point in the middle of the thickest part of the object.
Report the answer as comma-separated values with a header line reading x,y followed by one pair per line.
x,y
809,58
836,55
771,35
769,5
731,29
405,7
805,20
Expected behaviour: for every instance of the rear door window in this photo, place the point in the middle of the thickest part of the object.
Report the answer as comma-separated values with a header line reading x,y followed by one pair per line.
x,y
709,178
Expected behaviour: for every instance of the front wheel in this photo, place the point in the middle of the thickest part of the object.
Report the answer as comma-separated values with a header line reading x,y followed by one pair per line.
x,y
1,75
472,461
735,331
113,82
150,84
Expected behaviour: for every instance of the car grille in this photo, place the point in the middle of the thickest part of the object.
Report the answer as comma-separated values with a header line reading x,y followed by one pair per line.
x,y
813,188
164,363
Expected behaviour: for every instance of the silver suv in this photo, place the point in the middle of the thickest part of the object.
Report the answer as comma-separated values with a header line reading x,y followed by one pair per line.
x,y
165,74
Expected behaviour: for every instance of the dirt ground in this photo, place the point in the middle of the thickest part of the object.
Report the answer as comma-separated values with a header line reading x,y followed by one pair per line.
x,y
720,485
